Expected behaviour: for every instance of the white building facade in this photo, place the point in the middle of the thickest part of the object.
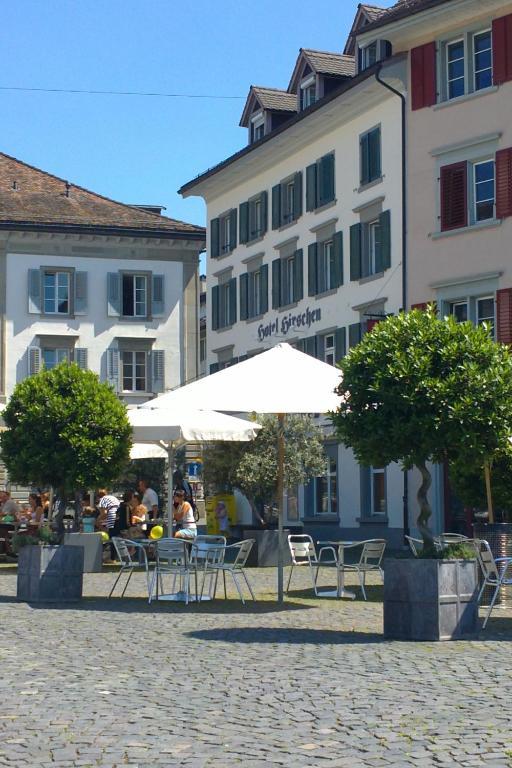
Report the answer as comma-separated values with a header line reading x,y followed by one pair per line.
x,y
305,245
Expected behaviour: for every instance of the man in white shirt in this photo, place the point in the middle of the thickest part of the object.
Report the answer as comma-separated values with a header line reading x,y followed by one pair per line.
x,y
8,505
149,498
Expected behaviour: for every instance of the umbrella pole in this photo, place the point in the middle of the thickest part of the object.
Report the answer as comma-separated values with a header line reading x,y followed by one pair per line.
x,y
487,472
170,468
280,501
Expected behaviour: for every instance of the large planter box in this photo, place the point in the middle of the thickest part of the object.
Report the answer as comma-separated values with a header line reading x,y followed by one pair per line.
x,y
50,574
430,599
264,550
92,544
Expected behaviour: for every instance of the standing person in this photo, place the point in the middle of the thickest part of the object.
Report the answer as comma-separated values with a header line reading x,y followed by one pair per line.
x,y
221,513
184,516
108,506
124,511
149,498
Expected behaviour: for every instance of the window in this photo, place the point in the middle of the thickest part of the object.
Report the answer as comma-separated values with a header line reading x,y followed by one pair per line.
x,y
287,201
287,279
459,310
56,292
253,218
52,357
476,309
370,247
468,64
202,350
321,493
370,156
257,127
223,234
288,271
485,312
483,184
378,505
135,295
134,371
369,55
320,182
307,94
224,304
329,349
325,265
254,293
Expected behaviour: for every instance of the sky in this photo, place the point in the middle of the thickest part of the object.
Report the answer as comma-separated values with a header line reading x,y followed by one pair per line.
x,y
140,149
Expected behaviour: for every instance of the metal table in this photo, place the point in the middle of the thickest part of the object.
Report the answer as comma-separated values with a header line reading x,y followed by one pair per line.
x,y
339,548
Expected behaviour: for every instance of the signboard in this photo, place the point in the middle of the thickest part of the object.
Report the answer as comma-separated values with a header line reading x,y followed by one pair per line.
x,y
290,322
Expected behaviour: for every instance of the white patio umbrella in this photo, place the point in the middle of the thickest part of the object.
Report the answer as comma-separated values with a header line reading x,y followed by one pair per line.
x,y
147,451
172,426
281,380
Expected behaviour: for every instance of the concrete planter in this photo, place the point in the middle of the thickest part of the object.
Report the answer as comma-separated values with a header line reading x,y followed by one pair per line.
x,y
430,599
264,551
50,574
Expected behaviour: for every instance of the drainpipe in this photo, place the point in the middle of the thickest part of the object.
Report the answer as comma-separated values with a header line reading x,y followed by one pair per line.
x,y
404,253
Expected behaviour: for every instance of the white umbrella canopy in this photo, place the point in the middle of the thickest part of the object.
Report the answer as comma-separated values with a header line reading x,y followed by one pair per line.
x,y
280,380
169,427
147,451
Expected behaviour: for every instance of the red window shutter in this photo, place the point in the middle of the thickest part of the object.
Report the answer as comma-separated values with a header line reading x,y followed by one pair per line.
x,y
504,315
504,183
502,49
454,196
423,76
371,323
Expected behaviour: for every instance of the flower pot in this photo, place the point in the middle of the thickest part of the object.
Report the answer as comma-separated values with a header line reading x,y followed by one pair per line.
x,y
50,574
430,599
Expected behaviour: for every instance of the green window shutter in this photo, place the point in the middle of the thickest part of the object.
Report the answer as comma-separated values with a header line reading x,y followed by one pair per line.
x,y
311,187
157,370
320,348
364,159
374,153
310,346
232,301
276,283
244,222
355,251
244,296
157,295
337,277
34,292
264,288
385,239
215,307
312,269
214,238
232,229
355,334
325,179
298,271
297,194
80,357
340,344
80,293
113,294
276,206
264,212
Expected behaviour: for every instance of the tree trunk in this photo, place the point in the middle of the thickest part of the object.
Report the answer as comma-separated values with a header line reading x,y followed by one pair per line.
x,y
425,508
58,519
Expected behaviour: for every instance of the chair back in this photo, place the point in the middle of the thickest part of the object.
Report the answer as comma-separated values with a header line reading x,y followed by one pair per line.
x,y
451,538
302,548
122,551
244,550
486,561
372,552
208,550
172,553
415,545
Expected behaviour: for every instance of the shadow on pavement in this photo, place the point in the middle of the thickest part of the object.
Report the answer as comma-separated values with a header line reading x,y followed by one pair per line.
x,y
291,635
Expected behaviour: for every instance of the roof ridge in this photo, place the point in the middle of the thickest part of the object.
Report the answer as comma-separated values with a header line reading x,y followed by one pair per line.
x,y
327,53
95,194
269,88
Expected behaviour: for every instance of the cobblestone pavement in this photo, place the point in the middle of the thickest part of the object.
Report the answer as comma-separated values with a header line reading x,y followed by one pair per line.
x,y
311,685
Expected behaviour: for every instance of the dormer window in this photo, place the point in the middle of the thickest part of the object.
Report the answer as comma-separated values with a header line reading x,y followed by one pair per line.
x,y
369,55
307,92
257,127
374,52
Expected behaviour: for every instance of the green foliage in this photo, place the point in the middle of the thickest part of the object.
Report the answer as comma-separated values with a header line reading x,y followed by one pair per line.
x,y
468,481
418,389
252,466
65,429
450,552
44,535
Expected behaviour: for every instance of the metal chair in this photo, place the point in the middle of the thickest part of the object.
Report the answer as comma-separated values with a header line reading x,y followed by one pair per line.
x,y
494,571
206,552
241,551
172,559
303,553
415,545
128,564
451,538
370,560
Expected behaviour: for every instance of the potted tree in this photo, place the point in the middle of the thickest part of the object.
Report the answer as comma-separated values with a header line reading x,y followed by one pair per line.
x,y
67,430
420,389
252,468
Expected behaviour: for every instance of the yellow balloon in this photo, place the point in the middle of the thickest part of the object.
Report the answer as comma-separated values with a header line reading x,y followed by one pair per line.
x,y
156,532
104,536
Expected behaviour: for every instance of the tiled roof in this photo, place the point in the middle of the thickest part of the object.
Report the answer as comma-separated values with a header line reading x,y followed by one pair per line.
x,y
373,12
330,63
29,196
273,98
402,9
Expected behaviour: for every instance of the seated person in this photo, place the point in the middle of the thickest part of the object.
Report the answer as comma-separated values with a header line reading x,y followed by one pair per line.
x,y
184,516
139,517
9,510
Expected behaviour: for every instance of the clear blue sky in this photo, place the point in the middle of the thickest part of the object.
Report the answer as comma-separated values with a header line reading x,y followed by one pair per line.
x,y
136,149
